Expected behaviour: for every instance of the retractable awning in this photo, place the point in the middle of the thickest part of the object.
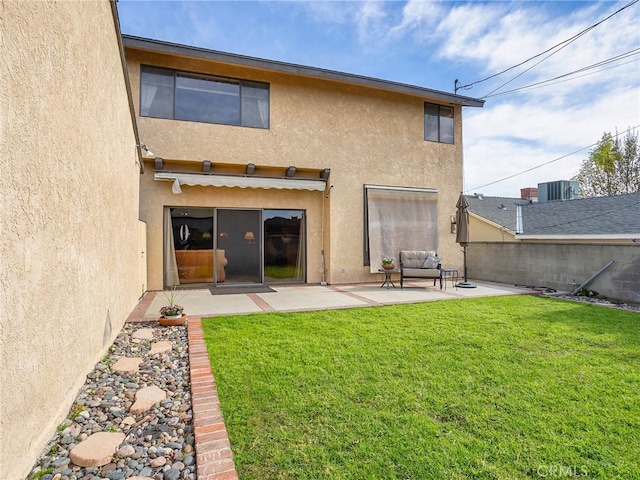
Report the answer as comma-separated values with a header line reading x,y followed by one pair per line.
x,y
205,180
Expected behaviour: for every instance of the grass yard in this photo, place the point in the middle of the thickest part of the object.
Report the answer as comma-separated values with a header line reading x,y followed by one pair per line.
x,y
499,387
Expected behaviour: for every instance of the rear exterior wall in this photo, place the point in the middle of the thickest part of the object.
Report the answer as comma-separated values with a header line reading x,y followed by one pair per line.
x,y
364,135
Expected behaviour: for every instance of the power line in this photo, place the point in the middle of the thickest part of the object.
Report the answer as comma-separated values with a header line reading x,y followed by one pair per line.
x,y
580,70
549,162
567,42
534,86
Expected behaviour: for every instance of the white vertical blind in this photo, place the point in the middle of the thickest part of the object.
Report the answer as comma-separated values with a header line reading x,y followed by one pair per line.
x,y
400,219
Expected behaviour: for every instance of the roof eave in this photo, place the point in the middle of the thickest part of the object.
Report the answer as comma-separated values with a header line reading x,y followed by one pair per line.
x,y
157,46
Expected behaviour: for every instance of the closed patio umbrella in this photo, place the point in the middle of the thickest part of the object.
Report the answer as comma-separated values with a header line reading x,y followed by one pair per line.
x,y
462,234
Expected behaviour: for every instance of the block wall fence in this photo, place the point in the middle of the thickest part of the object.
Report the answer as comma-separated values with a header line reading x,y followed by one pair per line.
x,y
561,266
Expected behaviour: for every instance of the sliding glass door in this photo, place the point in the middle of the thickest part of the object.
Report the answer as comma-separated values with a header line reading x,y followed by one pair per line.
x,y
239,236
188,246
284,255
233,246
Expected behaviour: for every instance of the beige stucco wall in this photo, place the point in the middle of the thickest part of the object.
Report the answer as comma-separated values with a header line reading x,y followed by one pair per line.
x,y
69,217
482,231
158,195
364,135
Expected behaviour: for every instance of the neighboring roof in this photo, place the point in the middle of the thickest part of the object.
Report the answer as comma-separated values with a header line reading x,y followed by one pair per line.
x,y
157,46
499,210
613,215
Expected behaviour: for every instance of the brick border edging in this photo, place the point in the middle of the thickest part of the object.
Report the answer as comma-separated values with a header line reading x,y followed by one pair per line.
x,y
214,458
137,314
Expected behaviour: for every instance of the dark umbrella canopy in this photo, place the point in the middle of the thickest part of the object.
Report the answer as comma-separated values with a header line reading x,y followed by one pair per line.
x,y
462,234
462,220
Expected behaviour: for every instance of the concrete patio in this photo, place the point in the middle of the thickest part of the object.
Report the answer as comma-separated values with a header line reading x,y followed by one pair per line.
x,y
201,303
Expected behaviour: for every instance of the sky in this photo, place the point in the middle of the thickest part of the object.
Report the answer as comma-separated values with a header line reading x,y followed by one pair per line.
x,y
533,135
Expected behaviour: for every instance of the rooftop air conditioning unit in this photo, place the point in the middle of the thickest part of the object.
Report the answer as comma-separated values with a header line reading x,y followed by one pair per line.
x,y
558,190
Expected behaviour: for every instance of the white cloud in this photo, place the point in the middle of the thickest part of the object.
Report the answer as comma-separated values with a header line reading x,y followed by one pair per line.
x,y
516,132
512,138
331,12
371,20
419,18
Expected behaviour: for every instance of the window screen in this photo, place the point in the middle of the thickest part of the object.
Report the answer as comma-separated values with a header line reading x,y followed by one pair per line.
x,y
397,219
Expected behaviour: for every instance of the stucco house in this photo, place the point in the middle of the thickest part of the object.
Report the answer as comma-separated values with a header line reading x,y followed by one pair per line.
x,y
597,219
558,244
288,173
493,219
612,219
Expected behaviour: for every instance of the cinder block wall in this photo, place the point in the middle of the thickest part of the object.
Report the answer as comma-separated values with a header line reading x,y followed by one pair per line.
x,y
560,266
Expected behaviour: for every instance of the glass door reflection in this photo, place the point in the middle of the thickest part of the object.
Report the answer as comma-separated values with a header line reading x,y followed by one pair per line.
x,y
189,246
239,237
284,246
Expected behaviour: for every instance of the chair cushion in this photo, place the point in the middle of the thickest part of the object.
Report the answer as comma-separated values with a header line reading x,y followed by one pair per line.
x,y
414,258
421,272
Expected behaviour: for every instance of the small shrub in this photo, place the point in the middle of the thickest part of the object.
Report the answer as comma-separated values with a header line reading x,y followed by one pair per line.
x,y
41,473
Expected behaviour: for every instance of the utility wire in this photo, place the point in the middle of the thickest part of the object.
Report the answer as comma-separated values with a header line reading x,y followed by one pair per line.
x,y
580,70
549,162
531,87
530,68
568,41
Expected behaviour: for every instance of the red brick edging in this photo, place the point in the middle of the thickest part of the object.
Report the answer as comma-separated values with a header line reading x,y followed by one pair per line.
x,y
213,451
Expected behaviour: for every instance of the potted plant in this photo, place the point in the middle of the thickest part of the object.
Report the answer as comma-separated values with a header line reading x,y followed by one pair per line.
x,y
387,263
172,314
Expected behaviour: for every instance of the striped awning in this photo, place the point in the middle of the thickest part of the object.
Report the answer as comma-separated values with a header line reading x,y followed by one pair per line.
x,y
239,181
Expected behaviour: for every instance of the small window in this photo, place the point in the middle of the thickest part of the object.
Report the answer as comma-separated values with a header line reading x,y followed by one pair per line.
x,y
438,123
176,95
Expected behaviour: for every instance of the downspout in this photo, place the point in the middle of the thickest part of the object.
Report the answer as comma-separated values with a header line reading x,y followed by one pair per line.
x,y
323,269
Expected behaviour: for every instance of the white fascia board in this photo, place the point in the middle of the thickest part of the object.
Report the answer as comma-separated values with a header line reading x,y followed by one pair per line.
x,y
598,236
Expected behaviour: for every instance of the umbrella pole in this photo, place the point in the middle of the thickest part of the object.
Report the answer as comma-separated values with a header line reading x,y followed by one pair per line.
x,y
466,284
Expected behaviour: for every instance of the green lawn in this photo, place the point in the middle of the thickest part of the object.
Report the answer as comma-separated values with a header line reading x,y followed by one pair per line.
x,y
503,387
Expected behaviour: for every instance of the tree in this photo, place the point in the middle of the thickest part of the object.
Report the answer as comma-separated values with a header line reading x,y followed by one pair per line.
x,y
613,167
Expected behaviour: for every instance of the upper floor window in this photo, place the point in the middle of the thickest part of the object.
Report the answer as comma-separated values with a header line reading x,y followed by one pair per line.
x,y
178,95
438,123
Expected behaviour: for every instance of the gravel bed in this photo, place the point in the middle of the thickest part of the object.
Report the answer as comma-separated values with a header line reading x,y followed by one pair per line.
x,y
605,302
159,443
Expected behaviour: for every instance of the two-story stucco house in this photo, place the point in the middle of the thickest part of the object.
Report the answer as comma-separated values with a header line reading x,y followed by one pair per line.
x,y
288,173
